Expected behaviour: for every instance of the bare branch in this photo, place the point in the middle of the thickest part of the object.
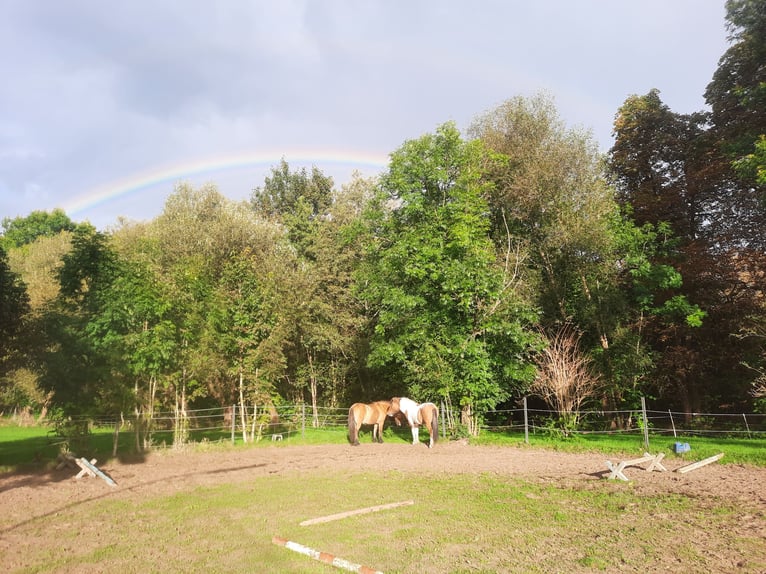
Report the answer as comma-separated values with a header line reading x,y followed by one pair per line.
x,y
565,378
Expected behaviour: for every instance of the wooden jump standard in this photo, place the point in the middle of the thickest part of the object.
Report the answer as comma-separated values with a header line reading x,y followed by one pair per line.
x,y
87,467
617,469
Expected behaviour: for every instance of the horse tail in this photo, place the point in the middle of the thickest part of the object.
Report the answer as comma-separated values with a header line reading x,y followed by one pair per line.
x,y
434,422
353,432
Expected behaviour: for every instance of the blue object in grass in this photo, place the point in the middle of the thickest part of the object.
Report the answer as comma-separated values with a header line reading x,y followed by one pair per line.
x,y
681,447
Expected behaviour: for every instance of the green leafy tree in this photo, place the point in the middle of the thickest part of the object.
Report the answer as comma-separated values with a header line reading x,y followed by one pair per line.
x,y
77,370
658,167
14,306
323,319
38,264
196,237
753,165
585,264
737,91
664,179
652,304
443,310
139,327
328,322
737,97
245,330
297,199
21,231
339,249
551,201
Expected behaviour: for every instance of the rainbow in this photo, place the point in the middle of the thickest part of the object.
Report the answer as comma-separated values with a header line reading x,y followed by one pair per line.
x,y
364,162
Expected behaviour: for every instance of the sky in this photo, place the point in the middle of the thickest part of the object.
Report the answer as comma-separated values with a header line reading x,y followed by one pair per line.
x,y
106,106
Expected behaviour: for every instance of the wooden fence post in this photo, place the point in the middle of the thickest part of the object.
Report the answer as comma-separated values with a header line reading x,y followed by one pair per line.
x,y
646,423
115,438
233,422
444,420
526,423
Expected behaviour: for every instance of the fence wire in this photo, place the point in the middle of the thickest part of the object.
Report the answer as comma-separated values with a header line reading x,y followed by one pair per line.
x,y
293,419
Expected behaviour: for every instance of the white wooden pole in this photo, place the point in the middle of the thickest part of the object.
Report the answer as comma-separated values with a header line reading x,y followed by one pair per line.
x,y
346,514
746,425
325,557
700,463
233,422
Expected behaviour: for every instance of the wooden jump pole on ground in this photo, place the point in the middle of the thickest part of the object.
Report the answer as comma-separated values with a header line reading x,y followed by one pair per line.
x,y
354,512
703,462
324,557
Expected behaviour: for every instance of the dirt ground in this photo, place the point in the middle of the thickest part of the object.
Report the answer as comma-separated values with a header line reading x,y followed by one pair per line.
x,y
27,496
24,496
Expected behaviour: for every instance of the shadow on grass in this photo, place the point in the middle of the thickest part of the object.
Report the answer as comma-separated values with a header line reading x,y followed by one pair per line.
x,y
33,481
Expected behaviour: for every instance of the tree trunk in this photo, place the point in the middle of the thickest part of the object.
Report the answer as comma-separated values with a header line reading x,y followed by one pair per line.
x,y
468,419
242,413
149,419
137,413
313,390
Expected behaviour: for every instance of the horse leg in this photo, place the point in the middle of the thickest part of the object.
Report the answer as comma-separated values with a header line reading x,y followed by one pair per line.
x,y
414,434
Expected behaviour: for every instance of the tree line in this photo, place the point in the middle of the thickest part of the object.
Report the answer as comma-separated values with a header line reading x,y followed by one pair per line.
x,y
479,267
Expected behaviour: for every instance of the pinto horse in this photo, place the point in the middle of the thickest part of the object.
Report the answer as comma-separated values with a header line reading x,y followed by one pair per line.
x,y
367,414
426,414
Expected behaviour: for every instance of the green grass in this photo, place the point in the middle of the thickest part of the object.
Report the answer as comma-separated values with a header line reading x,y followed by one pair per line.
x,y
36,446
459,523
737,450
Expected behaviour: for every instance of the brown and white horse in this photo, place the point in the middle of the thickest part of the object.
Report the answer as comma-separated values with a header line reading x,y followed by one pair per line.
x,y
425,414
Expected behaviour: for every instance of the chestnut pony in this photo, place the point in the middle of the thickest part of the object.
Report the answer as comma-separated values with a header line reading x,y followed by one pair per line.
x,y
367,414
426,414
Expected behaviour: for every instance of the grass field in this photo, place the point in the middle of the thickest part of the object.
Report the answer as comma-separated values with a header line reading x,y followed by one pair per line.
x,y
478,523
474,523
34,446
